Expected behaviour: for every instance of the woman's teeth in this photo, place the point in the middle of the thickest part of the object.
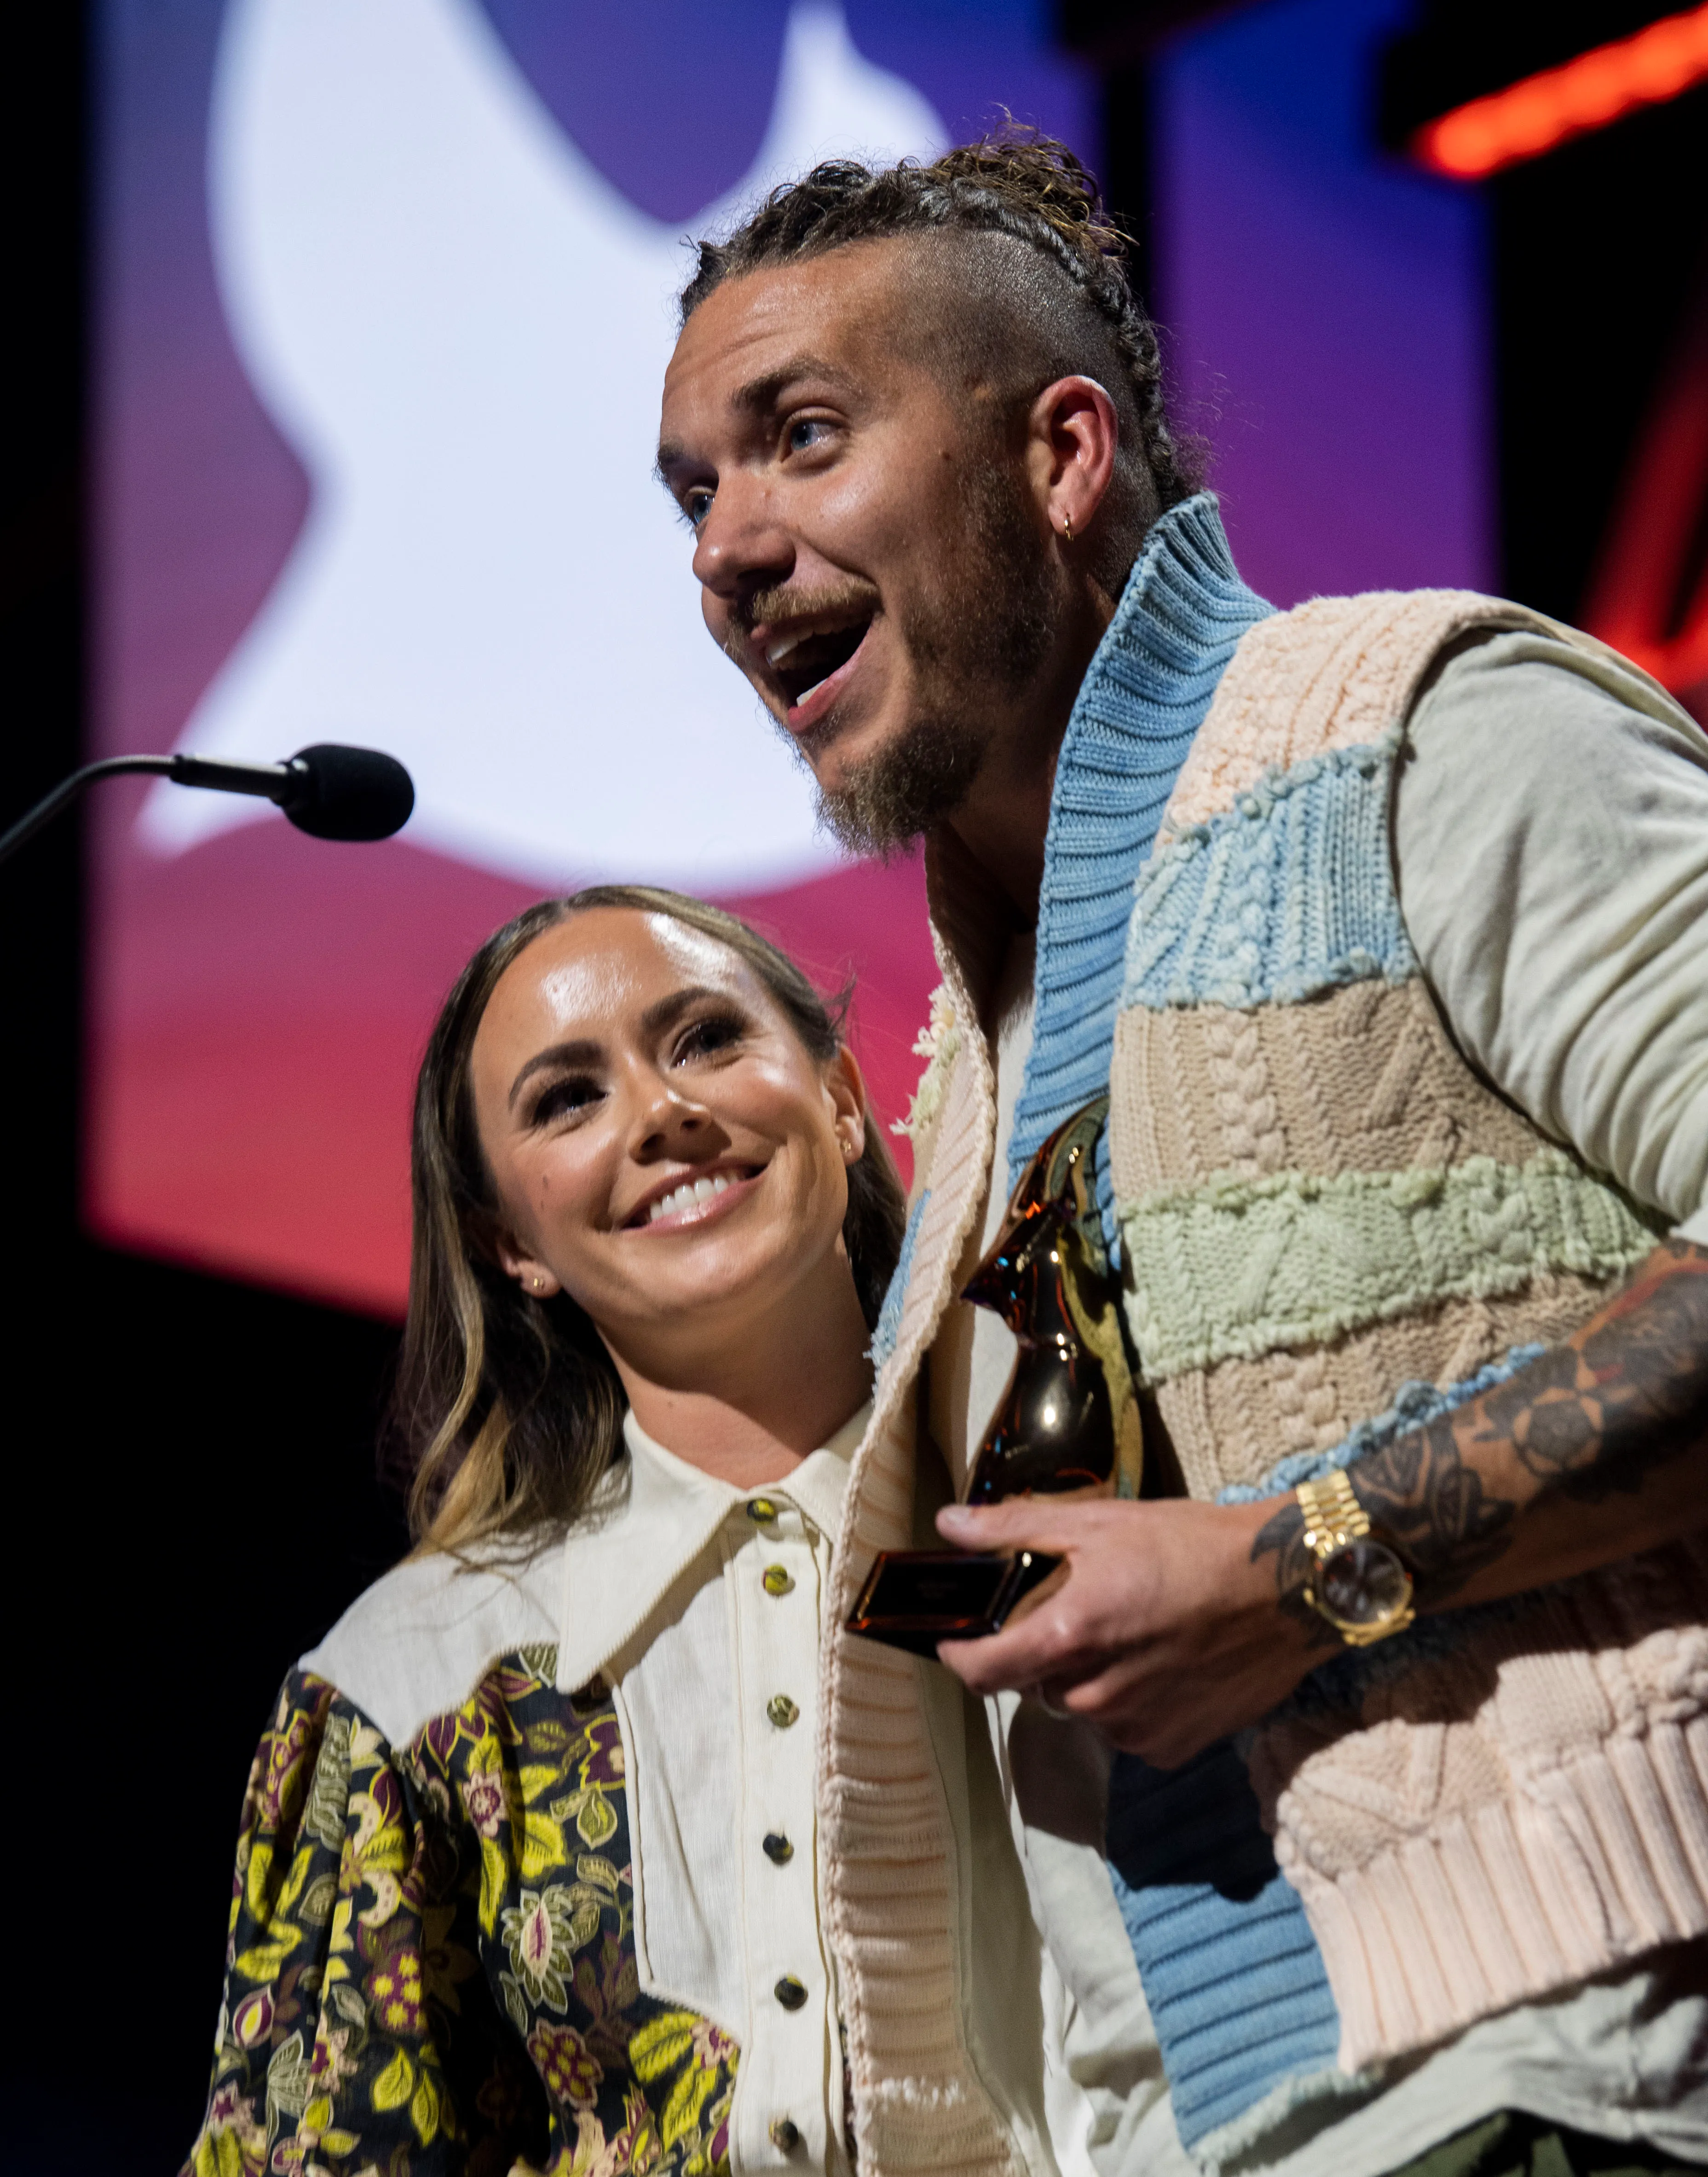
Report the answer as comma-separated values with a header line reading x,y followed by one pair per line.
x,y
686,1196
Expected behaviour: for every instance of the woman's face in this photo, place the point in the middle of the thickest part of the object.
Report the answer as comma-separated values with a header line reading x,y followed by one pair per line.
x,y
662,1147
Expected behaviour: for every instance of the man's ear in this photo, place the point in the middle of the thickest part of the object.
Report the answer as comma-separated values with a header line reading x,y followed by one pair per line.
x,y
1074,436
536,1278
845,1087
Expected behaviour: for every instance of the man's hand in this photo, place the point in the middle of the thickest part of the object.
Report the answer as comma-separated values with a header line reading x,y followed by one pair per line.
x,y
1173,1623
1160,1631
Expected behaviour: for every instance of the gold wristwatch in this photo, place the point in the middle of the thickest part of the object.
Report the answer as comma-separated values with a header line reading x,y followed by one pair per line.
x,y
1360,1585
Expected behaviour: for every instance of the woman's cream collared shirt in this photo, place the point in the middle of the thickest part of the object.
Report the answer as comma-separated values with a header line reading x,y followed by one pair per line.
x,y
703,1608
700,1604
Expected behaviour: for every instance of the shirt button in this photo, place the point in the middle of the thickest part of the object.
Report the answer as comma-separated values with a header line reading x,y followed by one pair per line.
x,y
777,1580
781,1711
778,1849
761,1509
785,2136
790,1993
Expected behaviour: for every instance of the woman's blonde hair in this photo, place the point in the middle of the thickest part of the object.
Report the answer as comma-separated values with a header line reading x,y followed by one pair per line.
x,y
507,1408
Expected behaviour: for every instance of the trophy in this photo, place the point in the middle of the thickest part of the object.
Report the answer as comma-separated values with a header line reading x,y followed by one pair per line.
x,y
1067,1423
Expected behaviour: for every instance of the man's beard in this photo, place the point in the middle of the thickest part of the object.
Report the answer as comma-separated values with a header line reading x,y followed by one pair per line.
x,y
984,635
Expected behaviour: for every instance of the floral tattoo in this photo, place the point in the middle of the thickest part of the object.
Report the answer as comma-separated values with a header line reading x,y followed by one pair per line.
x,y
1586,1419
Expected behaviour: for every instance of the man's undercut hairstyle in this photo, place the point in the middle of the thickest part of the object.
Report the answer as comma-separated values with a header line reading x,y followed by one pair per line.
x,y
1039,288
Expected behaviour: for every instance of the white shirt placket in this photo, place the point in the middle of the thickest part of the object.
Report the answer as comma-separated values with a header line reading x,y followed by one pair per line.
x,y
788,2084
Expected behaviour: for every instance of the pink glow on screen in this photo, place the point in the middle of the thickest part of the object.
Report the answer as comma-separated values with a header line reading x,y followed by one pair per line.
x,y
251,1106
259,1002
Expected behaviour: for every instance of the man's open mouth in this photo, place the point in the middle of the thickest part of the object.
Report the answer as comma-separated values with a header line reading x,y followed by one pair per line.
x,y
801,662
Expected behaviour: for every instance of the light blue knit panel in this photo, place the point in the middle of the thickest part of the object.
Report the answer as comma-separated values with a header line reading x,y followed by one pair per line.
x,y
1289,893
1180,619
1231,1972
895,1292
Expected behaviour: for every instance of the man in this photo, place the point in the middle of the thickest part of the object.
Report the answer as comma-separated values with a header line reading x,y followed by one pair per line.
x,y
1381,923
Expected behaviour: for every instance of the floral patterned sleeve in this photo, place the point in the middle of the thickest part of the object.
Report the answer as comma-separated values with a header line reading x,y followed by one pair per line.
x,y
356,2030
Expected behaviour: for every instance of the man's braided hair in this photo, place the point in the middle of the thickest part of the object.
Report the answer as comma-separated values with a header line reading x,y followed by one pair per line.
x,y
1016,182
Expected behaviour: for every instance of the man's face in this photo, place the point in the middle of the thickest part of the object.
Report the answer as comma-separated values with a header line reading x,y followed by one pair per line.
x,y
868,553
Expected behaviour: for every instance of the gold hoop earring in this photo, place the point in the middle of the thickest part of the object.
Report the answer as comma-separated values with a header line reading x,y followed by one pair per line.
x,y
538,1283
1067,528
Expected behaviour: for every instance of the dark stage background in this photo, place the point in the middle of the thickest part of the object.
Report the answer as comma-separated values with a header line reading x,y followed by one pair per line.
x,y
190,1459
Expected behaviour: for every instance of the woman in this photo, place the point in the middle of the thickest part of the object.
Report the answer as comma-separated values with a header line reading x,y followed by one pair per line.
x,y
528,1870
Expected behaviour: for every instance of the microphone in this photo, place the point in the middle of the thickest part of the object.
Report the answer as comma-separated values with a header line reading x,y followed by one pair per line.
x,y
329,791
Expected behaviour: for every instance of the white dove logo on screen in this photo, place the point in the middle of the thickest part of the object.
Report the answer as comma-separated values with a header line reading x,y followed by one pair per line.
x,y
461,328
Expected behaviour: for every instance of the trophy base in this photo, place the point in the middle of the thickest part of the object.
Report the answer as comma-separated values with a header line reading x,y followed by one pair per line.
x,y
912,1599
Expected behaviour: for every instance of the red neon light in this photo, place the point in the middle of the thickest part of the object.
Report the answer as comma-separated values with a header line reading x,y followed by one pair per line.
x,y
1636,602
1599,86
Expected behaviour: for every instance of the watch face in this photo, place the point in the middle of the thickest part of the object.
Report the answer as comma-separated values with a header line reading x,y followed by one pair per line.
x,y
1362,1583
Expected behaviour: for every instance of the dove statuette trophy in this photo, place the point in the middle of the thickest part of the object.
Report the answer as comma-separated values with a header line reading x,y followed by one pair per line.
x,y
1067,1423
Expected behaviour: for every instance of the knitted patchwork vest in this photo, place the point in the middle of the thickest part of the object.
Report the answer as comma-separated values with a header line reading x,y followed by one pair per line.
x,y
1333,1229
1330,1231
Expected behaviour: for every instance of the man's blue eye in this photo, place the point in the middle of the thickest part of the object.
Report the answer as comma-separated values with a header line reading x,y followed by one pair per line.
x,y
696,506
798,438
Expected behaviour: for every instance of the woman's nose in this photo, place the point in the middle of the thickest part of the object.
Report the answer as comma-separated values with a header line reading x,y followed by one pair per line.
x,y
664,1115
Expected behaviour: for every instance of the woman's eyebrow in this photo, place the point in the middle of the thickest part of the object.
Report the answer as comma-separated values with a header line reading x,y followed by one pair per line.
x,y
583,1051
660,1015
578,1053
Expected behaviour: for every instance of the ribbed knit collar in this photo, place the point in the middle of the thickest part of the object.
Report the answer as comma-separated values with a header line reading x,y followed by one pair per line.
x,y
1144,697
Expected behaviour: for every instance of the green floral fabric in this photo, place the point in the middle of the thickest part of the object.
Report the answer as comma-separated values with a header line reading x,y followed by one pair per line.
x,y
431,1963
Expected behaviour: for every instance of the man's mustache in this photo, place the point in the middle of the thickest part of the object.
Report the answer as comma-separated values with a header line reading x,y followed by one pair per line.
x,y
785,607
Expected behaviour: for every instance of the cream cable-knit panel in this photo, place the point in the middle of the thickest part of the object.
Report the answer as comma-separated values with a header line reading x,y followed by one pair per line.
x,y
1344,668
1232,1423
888,1868
1362,1078
1508,1819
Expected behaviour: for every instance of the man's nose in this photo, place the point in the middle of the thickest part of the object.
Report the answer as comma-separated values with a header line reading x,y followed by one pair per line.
x,y
741,545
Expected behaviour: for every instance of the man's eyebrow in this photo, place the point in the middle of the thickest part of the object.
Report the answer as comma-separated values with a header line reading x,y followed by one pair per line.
x,y
759,397
584,1051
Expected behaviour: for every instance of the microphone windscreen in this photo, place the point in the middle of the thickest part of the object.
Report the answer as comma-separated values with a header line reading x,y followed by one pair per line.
x,y
349,792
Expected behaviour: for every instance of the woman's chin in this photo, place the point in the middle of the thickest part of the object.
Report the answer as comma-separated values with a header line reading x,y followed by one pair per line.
x,y
727,1285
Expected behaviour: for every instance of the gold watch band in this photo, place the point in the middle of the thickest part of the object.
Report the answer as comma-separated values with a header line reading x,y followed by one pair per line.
x,y
1332,1515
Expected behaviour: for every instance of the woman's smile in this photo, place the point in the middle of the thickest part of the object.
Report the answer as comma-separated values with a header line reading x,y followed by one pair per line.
x,y
636,1082
712,1191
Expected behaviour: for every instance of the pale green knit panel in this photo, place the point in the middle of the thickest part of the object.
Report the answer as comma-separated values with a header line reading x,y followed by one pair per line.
x,y
1240,1267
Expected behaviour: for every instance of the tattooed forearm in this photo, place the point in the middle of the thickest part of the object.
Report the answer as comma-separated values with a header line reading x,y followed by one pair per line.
x,y
1627,1394
1582,1422
1434,1508
1284,1534
1424,1498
